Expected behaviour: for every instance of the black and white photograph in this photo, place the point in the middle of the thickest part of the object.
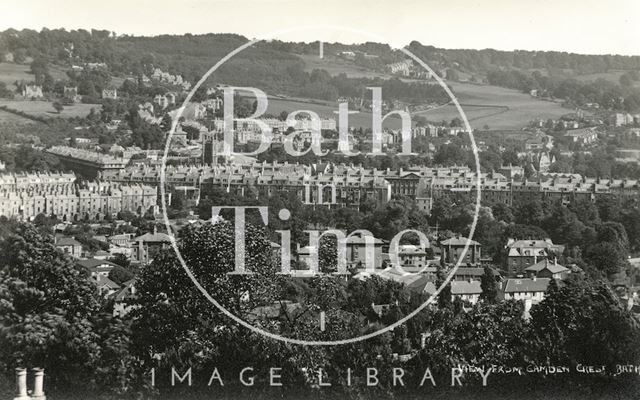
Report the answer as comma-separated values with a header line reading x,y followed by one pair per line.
x,y
279,199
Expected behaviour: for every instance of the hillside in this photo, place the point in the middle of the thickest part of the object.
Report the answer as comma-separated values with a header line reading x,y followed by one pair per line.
x,y
296,70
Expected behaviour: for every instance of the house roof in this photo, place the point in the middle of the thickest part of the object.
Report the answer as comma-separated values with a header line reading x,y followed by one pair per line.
x,y
474,271
127,291
94,264
101,238
531,243
67,241
464,287
526,285
362,239
103,281
458,241
532,247
554,268
410,249
398,274
422,285
122,236
157,237
580,132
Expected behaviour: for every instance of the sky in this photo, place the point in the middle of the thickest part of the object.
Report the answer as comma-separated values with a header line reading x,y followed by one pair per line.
x,y
579,26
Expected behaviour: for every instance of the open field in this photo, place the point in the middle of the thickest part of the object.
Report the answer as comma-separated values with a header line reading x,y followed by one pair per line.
x,y
497,107
612,76
9,73
335,66
362,119
46,110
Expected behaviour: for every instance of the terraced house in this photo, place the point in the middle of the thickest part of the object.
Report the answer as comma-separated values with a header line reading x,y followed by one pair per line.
x,y
24,196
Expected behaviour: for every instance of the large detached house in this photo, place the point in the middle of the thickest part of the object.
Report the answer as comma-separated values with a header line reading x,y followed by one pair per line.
x,y
97,267
453,248
69,246
522,254
148,246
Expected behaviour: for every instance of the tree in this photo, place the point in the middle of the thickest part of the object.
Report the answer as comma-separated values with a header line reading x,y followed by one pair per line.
x,y
532,213
328,254
583,322
208,250
488,286
614,232
120,275
47,308
489,334
452,75
502,212
121,260
58,106
606,257
4,91
444,298
564,226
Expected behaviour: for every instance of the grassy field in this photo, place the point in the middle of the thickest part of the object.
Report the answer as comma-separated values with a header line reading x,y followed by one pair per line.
x,y
361,119
496,107
9,73
335,66
46,110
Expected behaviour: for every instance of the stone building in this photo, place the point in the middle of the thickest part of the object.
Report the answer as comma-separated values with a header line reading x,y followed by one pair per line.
x,y
32,92
24,196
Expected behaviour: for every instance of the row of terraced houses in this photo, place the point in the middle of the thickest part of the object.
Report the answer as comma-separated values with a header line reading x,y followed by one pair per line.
x,y
24,196
347,185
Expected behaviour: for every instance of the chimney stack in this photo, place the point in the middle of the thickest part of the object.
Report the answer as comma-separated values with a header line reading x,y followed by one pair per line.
x,y
21,384
38,382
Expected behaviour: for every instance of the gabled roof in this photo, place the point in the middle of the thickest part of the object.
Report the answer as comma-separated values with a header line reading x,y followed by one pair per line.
x,y
458,241
93,264
157,237
554,268
67,241
103,281
422,285
127,291
410,249
464,287
474,271
526,285
530,243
